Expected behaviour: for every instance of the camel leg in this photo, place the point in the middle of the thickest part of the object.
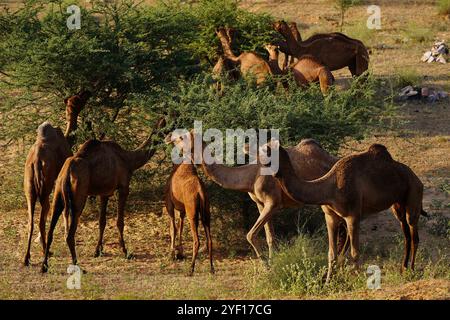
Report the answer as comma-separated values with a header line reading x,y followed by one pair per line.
x,y
333,223
123,195
101,226
31,203
193,221
58,207
268,228
353,232
70,239
265,216
180,250
206,226
415,243
173,230
45,207
400,214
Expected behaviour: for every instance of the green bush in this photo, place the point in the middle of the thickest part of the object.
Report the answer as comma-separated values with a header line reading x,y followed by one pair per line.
x,y
443,7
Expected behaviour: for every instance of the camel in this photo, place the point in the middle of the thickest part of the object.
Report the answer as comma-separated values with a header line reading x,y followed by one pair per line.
x,y
356,186
334,52
250,64
311,161
306,70
43,163
98,169
187,194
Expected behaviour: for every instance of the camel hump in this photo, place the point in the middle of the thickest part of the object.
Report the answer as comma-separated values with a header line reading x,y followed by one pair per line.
x,y
46,131
309,141
380,150
88,147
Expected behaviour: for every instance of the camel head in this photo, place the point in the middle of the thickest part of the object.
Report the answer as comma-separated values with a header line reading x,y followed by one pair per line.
x,y
272,49
268,156
183,140
74,104
282,27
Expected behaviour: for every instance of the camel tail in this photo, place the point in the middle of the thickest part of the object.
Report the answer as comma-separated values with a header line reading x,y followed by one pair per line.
x,y
67,194
423,213
38,178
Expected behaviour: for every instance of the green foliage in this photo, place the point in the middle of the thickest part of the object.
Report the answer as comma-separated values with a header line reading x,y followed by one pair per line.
x,y
343,6
443,7
407,77
418,34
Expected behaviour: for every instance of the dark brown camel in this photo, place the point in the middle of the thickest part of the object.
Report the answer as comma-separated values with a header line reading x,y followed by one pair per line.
x,y
334,52
43,163
358,185
98,169
186,193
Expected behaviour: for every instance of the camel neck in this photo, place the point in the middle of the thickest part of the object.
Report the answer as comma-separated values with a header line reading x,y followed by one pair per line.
x,y
140,156
294,46
226,46
71,126
240,178
273,63
318,192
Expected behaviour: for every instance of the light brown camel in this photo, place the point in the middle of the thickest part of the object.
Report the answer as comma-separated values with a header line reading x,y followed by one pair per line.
x,y
98,169
186,193
311,161
251,65
43,163
334,52
306,70
356,186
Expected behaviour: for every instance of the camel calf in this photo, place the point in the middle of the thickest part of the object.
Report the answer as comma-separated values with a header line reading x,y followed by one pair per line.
x,y
186,193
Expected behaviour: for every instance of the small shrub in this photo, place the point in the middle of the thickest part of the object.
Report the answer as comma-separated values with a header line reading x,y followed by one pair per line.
x,y
407,77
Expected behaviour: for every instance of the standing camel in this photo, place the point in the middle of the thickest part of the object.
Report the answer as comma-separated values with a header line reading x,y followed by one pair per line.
x,y
306,70
334,52
310,160
98,169
186,193
250,64
43,163
356,186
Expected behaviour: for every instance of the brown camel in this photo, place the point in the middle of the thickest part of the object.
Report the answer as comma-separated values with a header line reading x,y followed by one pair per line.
x,y
356,186
98,169
251,65
43,163
334,52
186,193
311,161
306,70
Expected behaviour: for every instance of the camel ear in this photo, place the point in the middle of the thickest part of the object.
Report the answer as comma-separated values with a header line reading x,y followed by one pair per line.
x,y
66,100
274,143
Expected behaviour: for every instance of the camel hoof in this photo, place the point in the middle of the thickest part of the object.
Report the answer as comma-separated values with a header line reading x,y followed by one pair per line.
x,y
129,256
212,271
26,263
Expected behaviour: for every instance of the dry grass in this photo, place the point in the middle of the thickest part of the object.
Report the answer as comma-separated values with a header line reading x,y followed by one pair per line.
x,y
420,139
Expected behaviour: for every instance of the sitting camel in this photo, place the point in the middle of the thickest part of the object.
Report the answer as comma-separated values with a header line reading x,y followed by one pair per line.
x,y
306,70
250,64
358,185
336,52
98,169
43,163
311,161
186,193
